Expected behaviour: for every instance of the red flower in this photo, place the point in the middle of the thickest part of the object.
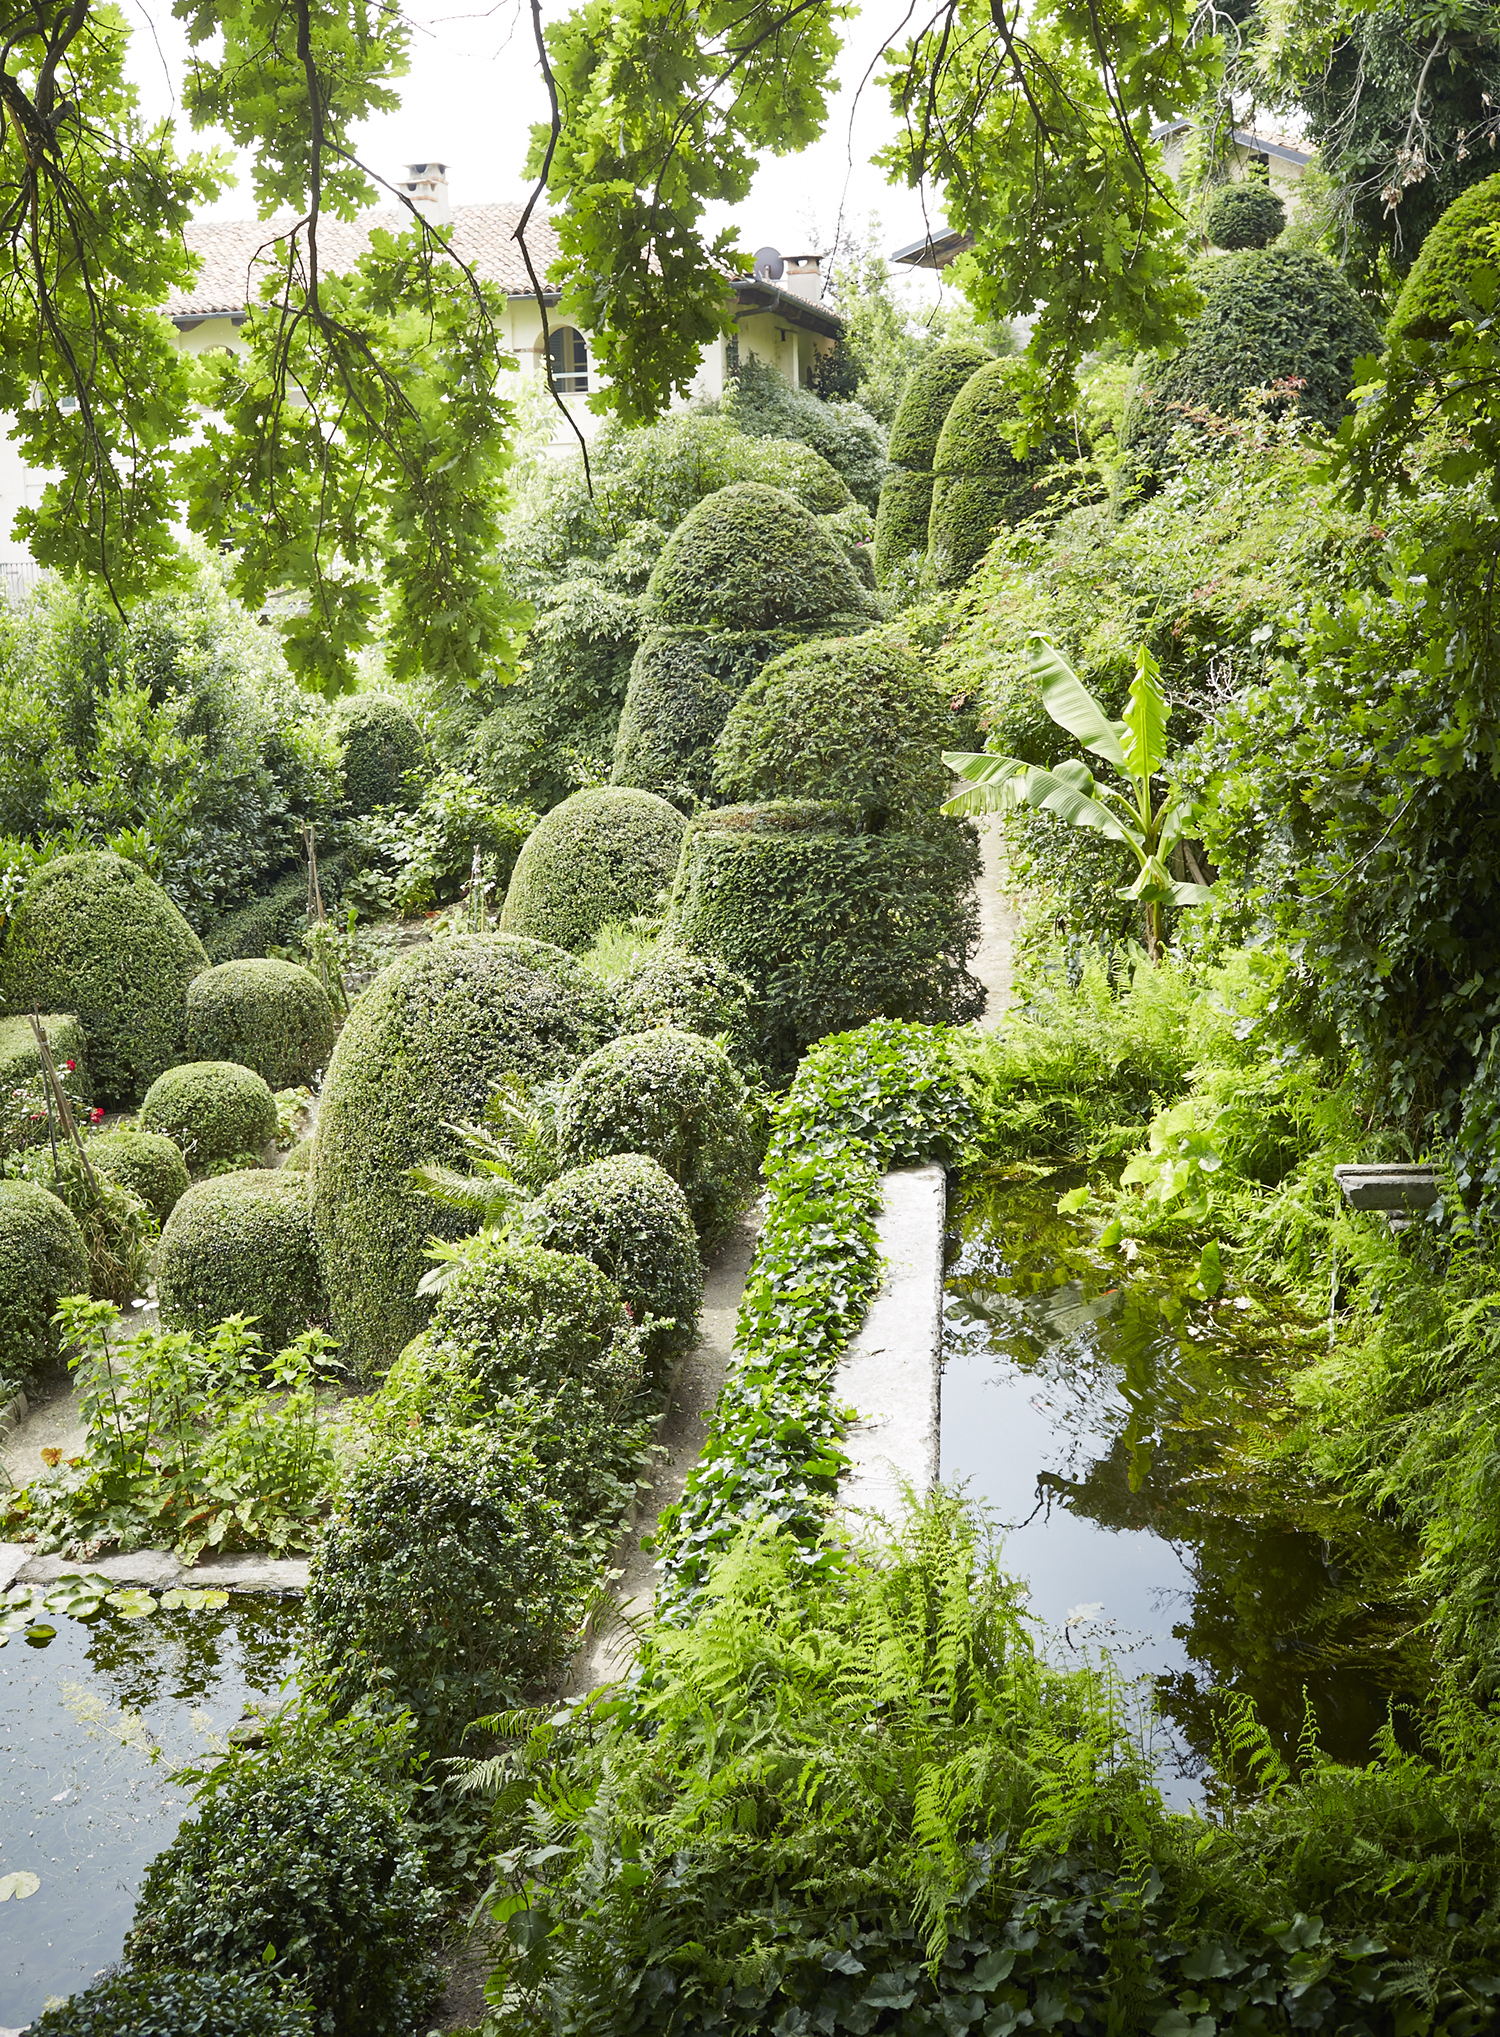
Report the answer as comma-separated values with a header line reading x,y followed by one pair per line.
x,y
70,1066
95,1115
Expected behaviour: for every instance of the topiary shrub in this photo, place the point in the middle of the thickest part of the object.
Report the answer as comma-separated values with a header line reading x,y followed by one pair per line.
x,y
830,927
632,1220
274,1017
906,494
605,854
1245,215
450,1583
750,558
535,1317
243,1244
149,1164
979,483
306,1874
419,1053
94,935
682,686
213,1109
381,743
694,994
1436,293
1269,315
171,2003
299,1160
677,1098
761,403
42,1258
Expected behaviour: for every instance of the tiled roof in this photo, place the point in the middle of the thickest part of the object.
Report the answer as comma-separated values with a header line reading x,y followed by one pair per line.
x,y
234,250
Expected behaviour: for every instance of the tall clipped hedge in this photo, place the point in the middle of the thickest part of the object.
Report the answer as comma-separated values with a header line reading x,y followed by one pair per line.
x,y
604,854
979,484
1435,293
381,742
419,1053
906,494
96,936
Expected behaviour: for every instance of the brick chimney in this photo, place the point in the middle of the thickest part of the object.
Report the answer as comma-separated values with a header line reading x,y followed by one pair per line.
x,y
426,185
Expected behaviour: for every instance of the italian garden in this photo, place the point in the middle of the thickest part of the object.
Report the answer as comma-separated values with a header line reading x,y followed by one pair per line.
x,y
750,1030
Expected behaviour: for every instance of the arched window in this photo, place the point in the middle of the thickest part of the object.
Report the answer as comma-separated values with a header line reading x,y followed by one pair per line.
x,y
570,361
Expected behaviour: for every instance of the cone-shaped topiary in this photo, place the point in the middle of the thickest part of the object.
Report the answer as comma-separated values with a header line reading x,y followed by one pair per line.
x,y
1435,294
1244,215
604,854
979,484
94,935
149,1164
243,1244
215,1110
42,1258
906,493
381,742
418,1054
271,1016
751,558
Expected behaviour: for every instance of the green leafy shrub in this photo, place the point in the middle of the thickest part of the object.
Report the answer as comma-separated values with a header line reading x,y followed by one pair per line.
x,y
299,1159
309,1876
829,926
243,1244
270,1016
20,1062
677,1098
93,935
413,861
606,854
419,1053
213,1109
534,1317
116,1226
632,1220
694,994
1244,215
148,1163
1436,292
980,483
277,917
42,1258
906,494
763,405
683,684
170,2003
381,742
750,558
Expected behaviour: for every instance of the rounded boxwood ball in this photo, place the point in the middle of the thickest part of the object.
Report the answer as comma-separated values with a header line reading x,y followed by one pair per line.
x,y
42,1258
94,935
677,1098
243,1244
694,994
1247,215
274,1017
631,1219
213,1109
751,558
381,742
604,854
906,492
980,485
148,1163
1435,294
418,1055
536,1318
174,2003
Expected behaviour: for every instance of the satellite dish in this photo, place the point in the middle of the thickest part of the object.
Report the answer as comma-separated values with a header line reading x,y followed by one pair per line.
x,y
769,267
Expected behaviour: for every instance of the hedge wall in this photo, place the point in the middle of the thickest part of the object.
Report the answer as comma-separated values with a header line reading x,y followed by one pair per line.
x,y
906,495
605,854
274,1017
1433,295
277,917
243,1244
979,484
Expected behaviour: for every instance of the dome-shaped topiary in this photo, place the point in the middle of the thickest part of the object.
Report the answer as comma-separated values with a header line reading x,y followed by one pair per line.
x,y
605,854
849,720
42,1258
94,935
1244,215
632,1220
174,2003
149,1164
535,1317
694,994
979,484
1436,294
682,685
243,1244
750,558
381,742
906,493
677,1098
1270,315
418,1054
299,1159
215,1110
271,1016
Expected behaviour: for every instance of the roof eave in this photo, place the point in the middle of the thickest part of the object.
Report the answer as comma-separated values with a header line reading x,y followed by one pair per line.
x,y
752,296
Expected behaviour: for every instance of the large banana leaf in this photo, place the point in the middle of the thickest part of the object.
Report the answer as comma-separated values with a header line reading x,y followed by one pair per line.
x,y
1146,720
994,788
1073,707
1004,783
1053,793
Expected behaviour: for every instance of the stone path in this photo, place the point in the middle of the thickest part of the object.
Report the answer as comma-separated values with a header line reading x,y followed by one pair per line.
x,y
999,922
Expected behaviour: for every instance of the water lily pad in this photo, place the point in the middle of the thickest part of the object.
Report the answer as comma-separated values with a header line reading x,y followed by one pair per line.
x,y
19,1884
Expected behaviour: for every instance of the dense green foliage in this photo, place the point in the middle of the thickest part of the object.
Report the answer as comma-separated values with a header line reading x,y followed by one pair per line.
x,y
243,1244
95,935
275,919
683,683
21,1074
762,404
42,1258
148,1163
906,494
1244,215
751,558
170,2003
379,743
1438,290
607,854
413,860
693,993
214,1110
980,480
270,1016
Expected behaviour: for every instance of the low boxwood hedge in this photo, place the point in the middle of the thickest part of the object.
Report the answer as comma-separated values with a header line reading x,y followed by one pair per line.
x,y
605,854
243,1244
214,1110
21,1062
177,2003
148,1163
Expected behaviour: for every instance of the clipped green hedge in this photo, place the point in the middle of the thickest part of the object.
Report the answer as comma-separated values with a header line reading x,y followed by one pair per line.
x,y
534,1317
173,2003
830,927
149,1164
906,494
751,558
419,1053
243,1244
980,485
693,993
605,854
213,1109
1435,293
20,1062
275,919
760,402
95,936
381,742
274,1017
42,1258
683,685
1245,215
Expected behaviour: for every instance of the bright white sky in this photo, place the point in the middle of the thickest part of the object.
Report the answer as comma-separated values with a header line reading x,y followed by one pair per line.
x,y
473,92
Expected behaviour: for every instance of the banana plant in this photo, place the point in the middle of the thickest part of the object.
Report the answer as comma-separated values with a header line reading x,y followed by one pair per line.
x,y
1136,747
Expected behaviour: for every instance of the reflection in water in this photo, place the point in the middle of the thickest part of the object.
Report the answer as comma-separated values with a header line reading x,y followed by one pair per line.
x,y
1102,1414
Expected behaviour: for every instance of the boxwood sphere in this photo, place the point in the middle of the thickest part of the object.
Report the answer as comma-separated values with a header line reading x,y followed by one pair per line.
x,y
243,1244
381,742
42,1258
631,1219
695,994
536,1317
980,485
677,1098
906,492
213,1109
604,854
1434,293
418,1054
174,2003
1246,215
94,935
751,558
148,1163
271,1016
